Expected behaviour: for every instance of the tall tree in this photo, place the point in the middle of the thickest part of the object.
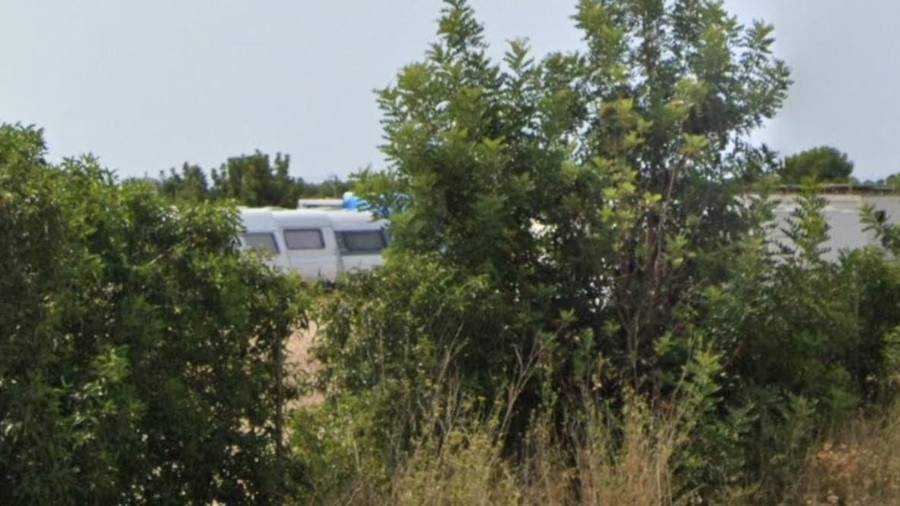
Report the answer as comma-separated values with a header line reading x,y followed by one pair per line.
x,y
191,184
591,184
825,164
257,180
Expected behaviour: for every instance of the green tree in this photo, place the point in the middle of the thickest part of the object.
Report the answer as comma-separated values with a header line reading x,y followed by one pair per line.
x,y
824,164
191,184
594,194
590,184
138,348
333,187
250,180
600,220
893,181
256,180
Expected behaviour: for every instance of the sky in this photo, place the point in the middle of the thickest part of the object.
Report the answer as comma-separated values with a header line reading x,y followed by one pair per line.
x,y
149,85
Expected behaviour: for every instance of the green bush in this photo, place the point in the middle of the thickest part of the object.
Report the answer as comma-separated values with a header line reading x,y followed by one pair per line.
x,y
138,348
591,226
404,330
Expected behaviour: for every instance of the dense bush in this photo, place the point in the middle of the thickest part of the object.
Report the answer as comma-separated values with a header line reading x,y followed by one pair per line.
x,y
138,349
589,190
610,216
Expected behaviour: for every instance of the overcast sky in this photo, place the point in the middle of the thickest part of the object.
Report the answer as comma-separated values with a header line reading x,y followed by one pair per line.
x,y
147,85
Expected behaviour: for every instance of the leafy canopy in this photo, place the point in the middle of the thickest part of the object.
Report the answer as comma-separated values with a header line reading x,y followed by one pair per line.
x,y
592,184
591,201
255,180
138,347
824,164
576,230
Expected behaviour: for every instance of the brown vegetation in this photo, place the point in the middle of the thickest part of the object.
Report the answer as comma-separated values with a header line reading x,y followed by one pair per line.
x,y
300,362
859,467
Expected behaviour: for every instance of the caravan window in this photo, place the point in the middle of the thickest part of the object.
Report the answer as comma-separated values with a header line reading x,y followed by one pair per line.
x,y
264,241
304,239
362,241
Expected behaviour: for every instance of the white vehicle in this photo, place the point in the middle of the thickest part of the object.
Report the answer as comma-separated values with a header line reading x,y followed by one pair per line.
x,y
844,213
320,245
320,204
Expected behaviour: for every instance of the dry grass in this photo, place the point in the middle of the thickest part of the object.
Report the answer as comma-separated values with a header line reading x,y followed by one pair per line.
x,y
461,462
640,473
300,361
861,467
465,467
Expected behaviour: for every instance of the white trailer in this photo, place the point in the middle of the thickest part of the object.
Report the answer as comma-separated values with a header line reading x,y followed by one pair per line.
x,y
319,244
844,214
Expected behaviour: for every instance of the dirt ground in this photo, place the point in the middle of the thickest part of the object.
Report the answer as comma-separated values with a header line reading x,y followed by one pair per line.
x,y
300,360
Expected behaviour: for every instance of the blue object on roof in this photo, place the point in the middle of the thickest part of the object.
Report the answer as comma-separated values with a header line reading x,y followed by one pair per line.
x,y
397,203
353,202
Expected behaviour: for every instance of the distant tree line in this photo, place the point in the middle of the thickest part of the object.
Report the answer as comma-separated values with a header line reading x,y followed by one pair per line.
x,y
828,165
261,180
252,180
824,164
892,181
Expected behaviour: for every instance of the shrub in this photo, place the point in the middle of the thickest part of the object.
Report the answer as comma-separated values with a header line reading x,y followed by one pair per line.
x,y
459,459
583,190
859,466
138,349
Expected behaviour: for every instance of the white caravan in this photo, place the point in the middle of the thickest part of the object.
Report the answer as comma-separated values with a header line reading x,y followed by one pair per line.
x,y
320,245
844,213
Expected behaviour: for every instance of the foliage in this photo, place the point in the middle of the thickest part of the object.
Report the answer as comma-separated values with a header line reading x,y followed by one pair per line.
x,y
858,466
341,449
191,184
256,180
591,193
825,164
629,457
398,347
584,184
138,349
252,180
585,301
610,216
810,340
893,181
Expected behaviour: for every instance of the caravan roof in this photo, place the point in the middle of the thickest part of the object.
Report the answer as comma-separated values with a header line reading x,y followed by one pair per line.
x,y
270,219
302,218
354,220
320,203
255,220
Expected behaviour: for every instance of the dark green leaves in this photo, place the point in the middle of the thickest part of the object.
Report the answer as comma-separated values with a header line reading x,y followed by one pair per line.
x,y
824,164
137,346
